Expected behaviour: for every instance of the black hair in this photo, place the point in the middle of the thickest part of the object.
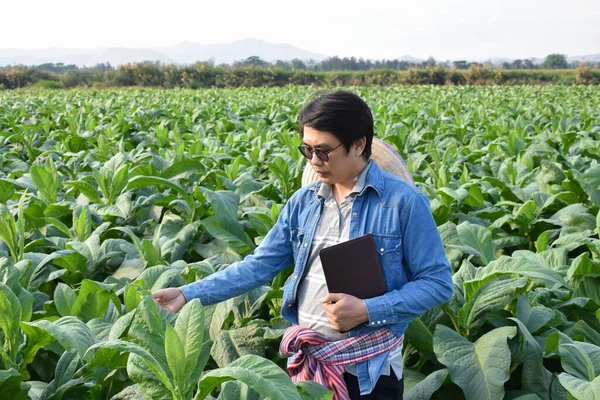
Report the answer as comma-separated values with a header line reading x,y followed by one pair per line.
x,y
343,114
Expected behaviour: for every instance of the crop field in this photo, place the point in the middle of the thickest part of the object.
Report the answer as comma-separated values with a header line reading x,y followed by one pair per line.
x,y
107,196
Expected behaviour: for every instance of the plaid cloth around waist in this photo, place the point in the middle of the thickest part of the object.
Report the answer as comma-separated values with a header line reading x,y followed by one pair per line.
x,y
314,358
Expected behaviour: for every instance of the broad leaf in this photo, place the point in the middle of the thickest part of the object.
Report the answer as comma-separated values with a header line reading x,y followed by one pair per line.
x,y
260,374
480,368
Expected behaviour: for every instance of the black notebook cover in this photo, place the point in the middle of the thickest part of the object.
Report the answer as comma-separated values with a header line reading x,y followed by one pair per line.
x,y
353,268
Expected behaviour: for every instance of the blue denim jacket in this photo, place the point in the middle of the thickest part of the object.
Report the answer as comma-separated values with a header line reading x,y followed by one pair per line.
x,y
417,274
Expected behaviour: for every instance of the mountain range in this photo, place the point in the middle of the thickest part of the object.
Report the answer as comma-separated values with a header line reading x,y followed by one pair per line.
x,y
189,53
181,53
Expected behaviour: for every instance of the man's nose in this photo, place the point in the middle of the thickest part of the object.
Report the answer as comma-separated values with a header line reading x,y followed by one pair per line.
x,y
315,160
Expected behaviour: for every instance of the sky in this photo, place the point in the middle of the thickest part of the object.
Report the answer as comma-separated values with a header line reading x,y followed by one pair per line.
x,y
375,29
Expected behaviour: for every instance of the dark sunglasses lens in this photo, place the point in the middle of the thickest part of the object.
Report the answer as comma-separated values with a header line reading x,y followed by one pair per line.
x,y
322,155
305,152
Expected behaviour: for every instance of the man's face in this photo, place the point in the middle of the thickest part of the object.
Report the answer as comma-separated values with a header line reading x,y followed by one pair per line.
x,y
341,166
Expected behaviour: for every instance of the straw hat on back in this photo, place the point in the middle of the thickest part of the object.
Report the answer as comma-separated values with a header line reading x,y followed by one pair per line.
x,y
386,157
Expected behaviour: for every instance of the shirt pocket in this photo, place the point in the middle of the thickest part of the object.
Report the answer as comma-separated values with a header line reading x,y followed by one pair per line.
x,y
297,237
389,249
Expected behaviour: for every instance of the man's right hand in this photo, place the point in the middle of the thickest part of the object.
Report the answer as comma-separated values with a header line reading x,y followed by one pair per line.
x,y
171,299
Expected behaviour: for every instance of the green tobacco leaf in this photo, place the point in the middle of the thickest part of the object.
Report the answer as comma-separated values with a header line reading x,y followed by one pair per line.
x,y
175,355
41,272
36,338
64,298
465,273
494,296
233,344
418,335
87,190
190,328
151,253
70,332
121,325
7,191
583,332
310,390
223,202
149,384
590,182
152,181
480,368
10,318
8,231
130,269
47,182
58,225
479,239
579,388
128,347
526,213
533,318
147,330
519,266
157,277
582,360
236,390
182,240
132,297
474,197
589,287
92,300
65,369
229,231
181,168
534,377
258,373
574,218
424,389
542,241
582,266
11,385
82,223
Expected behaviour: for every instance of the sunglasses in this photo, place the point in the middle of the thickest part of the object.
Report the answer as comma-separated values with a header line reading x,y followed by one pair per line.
x,y
322,154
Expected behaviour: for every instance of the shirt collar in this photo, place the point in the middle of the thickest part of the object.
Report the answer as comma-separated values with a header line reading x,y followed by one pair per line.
x,y
324,190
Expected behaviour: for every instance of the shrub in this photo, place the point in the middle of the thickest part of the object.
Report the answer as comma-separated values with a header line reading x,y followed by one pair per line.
x,y
456,78
47,84
585,76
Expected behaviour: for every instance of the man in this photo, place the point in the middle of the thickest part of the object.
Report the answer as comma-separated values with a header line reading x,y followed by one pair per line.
x,y
351,197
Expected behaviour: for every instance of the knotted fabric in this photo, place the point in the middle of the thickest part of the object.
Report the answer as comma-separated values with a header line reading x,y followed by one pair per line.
x,y
313,358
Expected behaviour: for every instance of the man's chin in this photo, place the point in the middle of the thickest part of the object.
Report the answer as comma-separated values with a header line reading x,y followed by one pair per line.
x,y
324,178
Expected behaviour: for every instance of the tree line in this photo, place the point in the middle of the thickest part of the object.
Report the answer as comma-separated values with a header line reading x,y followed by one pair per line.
x,y
254,72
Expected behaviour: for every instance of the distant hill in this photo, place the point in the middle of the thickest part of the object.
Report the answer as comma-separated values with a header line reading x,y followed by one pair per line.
x,y
589,58
411,59
189,53
181,53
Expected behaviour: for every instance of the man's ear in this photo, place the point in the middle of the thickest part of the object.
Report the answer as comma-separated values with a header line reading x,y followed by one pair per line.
x,y
359,146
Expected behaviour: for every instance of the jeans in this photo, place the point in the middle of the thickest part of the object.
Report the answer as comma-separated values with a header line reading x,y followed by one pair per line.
x,y
388,387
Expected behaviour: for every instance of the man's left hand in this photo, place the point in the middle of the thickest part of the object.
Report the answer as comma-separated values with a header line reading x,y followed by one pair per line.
x,y
344,311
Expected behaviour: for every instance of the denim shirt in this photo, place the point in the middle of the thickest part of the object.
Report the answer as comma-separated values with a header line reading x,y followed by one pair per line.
x,y
417,273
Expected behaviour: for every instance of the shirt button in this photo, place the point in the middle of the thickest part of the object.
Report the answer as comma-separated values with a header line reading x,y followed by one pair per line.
x,y
378,322
295,276
355,214
372,323
384,321
305,244
381,249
